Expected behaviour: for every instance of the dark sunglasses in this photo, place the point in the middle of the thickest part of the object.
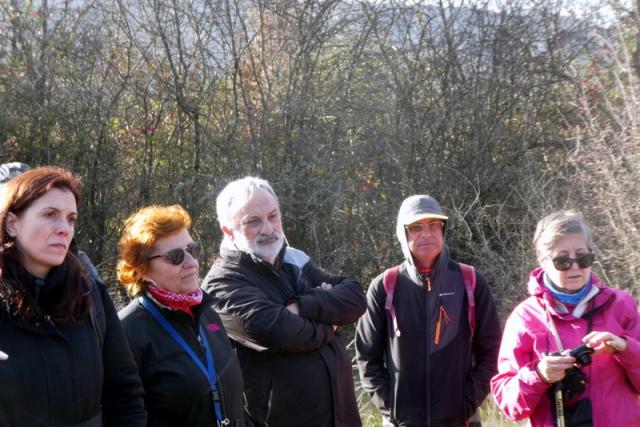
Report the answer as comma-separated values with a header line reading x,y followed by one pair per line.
x,y
176,256
563,263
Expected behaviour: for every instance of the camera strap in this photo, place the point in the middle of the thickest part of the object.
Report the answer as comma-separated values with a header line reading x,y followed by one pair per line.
x,y
557,394
554,330
558,400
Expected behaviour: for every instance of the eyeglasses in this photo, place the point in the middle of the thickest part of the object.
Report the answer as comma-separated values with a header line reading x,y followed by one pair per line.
x,y
564,263
420,227
176,256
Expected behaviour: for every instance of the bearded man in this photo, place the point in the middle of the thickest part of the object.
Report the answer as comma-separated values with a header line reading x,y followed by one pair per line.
x,y
282,313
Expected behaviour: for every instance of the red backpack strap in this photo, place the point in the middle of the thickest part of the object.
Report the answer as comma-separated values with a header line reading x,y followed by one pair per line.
x,y
469,278
390,280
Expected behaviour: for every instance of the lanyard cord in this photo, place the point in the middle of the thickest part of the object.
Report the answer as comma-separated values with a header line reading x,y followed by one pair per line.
x,y
210,370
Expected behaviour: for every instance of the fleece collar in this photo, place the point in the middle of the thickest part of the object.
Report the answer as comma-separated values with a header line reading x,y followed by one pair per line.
x,y
537,288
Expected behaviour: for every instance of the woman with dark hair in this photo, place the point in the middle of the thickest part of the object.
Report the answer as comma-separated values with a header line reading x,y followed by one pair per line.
x,y
570,353
69,364
189,370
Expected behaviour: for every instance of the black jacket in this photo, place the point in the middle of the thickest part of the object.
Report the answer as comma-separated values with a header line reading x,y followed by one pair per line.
x,y
410,378
60,375
296,369
177,392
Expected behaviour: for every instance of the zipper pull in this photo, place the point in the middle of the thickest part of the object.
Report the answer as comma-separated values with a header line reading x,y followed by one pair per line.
x,y
442,315
425,275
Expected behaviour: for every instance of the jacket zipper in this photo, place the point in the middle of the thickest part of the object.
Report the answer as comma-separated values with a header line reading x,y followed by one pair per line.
x,y
283,284
284,288
428,350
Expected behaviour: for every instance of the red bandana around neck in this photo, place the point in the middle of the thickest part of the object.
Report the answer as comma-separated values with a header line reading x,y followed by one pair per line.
x,y
175,300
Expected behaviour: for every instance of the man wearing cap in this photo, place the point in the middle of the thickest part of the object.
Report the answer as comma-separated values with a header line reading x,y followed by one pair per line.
x,y
424,363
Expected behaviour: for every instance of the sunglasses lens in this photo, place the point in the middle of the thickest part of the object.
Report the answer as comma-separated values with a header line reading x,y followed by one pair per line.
x,y
175,256
585,260
562,263
194,249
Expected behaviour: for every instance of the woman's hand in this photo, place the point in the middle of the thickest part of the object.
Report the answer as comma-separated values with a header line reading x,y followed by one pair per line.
x,y
605,342
3,355
553,368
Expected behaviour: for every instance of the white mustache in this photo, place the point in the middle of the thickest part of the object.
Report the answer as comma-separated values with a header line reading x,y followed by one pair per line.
x,y
266,240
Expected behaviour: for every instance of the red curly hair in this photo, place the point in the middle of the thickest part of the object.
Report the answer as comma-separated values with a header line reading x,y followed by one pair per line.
x,y
141,232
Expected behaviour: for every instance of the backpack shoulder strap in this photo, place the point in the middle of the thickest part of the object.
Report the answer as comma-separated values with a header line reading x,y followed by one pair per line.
x,y
469,278
96,312
390,280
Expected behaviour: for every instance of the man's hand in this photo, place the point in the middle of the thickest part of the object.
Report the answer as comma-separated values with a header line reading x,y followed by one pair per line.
x,y
293,307
3,355
326,286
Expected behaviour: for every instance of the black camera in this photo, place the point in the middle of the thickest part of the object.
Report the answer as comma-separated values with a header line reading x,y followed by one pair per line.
x,y
574,382
582,354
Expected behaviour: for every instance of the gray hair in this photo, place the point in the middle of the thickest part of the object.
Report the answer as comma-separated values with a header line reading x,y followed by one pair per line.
x,y
234,196
557,225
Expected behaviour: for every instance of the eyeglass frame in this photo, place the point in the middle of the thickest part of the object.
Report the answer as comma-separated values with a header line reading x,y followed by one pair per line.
x,y
423,226
192,247
583,261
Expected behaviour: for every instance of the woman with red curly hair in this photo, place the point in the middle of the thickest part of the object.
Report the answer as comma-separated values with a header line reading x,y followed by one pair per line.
x,y
189,371
68,362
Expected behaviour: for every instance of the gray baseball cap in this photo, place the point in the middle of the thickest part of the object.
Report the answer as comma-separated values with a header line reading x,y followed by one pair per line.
x,y
418,207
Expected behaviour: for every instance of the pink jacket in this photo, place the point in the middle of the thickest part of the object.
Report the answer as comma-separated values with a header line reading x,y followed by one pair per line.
x,y
614,379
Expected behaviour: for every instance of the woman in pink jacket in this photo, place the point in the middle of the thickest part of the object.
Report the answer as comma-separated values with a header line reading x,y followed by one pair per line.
x,y
570,309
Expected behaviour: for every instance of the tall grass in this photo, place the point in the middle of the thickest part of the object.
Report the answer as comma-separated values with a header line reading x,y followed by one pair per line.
x,y
491,415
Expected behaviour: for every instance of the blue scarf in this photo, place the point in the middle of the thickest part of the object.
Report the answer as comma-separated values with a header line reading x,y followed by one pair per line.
x,y
566,298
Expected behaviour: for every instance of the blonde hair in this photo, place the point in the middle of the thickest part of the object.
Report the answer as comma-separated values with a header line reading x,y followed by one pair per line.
x,y
556,225
141,232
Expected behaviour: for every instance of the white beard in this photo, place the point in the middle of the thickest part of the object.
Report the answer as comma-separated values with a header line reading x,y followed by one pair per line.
x,y
266,252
